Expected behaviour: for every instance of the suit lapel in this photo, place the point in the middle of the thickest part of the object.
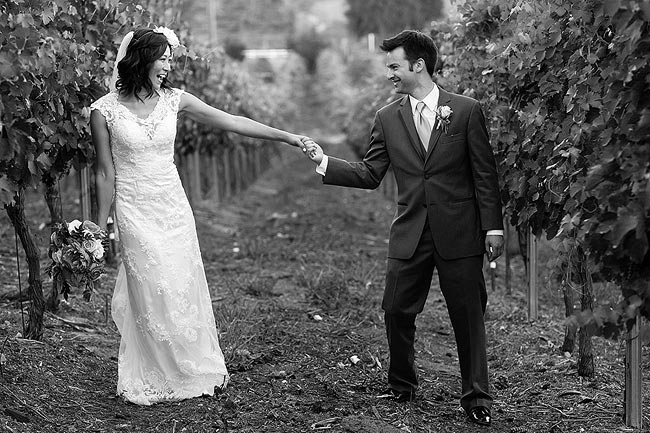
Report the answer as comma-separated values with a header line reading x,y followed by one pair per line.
x,y
406,115
443,99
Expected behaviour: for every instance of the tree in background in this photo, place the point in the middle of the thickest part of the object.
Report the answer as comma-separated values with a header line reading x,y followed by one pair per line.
x,y
308,44
234,48
388,18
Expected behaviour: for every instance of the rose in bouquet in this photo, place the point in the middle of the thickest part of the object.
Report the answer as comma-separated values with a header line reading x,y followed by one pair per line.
x,y
77,254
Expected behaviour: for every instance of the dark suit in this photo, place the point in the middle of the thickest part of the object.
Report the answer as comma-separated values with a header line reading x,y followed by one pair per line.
x,y
447,199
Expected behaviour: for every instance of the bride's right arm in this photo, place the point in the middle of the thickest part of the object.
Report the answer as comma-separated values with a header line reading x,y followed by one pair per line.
x,y
199,111
105,176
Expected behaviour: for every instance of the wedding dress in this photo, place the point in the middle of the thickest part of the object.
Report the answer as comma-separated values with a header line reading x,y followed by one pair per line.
x,y
169,348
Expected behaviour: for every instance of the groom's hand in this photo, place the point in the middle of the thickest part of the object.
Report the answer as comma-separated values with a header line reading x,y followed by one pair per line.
x,y
313,151
493,246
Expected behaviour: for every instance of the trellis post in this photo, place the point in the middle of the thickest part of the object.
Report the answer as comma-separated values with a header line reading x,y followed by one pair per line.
x,y
506,255
214,167
195,189
240,164
84,193
633,381
258,166
227,172
532,272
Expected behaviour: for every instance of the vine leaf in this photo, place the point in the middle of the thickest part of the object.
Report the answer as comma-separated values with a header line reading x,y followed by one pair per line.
x,y
8,189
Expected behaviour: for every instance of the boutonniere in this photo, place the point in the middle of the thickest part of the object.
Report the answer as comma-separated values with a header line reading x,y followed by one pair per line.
x,y
443,114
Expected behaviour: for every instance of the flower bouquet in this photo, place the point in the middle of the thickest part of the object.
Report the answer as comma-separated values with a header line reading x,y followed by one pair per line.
x,y
77,255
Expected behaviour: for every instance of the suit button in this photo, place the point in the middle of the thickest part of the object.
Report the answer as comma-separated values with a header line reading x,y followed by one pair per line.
x,y
426,176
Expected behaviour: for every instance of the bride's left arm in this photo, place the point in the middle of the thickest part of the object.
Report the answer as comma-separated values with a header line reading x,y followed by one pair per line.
x,y
199,111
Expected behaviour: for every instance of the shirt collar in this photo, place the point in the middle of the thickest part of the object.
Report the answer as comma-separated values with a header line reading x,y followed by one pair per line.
x,y
431,100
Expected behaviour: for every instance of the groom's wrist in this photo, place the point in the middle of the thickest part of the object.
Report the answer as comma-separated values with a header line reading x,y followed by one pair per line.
x,y
321,168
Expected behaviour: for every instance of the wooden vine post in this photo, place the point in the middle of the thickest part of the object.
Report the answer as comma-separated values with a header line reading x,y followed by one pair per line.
x,y
240,168
633,378
232,163
257,161
532,276
84,193
214,170
252,166
195,176
506,256
247,166
227,172
241,164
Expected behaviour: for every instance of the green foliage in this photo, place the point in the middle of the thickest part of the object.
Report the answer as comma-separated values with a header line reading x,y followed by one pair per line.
x,y
259,23
218,81
388,18
565,88
365,104
565,85
364,67
366,71
54,60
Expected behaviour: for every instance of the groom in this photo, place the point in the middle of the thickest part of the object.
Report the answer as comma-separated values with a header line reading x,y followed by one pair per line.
x,y
448,213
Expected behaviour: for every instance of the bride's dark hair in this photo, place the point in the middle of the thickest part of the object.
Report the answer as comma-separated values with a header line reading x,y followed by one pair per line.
x,y
145,48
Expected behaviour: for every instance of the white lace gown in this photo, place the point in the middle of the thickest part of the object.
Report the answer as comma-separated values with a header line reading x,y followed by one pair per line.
x,y
169,348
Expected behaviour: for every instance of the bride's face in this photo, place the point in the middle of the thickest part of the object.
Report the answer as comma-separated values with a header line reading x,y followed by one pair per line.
x,y
159,69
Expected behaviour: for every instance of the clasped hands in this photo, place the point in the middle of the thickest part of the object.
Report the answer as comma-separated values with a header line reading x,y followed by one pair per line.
x,y
312,150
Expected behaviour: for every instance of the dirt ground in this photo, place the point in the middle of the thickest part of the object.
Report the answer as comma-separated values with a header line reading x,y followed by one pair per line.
x,y
296,276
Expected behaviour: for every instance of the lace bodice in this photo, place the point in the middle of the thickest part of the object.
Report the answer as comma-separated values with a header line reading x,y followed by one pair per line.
x,y
141,146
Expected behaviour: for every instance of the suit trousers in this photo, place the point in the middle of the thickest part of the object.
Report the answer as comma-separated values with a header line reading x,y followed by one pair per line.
x,y
463,287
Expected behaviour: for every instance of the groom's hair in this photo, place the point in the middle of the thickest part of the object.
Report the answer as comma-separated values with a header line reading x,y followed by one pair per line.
x,y
416,45
145,48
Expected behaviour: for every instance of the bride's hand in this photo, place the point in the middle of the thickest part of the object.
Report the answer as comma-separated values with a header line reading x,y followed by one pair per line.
x,y
297,140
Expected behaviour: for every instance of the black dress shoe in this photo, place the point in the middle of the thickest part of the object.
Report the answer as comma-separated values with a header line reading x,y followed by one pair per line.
x,y
398,396
480,415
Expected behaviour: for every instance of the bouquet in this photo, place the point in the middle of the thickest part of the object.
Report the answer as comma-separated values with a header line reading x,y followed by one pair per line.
x,y
77,254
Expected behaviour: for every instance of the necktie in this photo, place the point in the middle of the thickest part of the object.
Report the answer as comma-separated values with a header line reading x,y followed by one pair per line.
x,y
422,125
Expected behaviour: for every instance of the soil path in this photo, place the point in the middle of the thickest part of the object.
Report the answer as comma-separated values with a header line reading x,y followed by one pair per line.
x,y
296,273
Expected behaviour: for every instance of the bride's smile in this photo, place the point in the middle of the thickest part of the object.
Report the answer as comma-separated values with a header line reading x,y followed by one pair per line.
x,y
159,70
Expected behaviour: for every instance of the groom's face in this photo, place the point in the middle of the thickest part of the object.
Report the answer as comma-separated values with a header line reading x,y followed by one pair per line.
x,y
399,72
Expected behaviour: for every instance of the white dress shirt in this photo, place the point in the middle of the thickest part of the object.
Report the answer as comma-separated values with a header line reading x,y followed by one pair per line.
x,y
430,105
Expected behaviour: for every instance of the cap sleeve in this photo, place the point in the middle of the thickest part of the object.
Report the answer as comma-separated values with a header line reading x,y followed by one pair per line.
x,y
106,106
176,97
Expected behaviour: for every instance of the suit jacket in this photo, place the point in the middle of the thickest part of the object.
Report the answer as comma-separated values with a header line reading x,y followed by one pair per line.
x,y
454,184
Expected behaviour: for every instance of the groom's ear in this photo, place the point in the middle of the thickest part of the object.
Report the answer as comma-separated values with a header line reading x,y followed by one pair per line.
x,y
420,65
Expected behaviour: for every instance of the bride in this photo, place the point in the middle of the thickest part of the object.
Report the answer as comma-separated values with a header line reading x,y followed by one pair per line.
x,y
169,348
